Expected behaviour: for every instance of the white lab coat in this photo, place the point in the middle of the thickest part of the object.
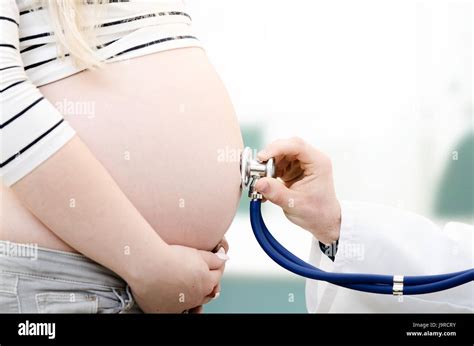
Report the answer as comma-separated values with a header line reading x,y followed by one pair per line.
x,y
382,240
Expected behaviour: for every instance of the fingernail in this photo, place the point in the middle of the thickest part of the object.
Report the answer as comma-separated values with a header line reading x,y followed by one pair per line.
x,y
216,295
222,255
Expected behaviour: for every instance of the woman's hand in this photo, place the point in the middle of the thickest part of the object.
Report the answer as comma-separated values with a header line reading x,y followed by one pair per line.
x,y
305,191
222,247
183,278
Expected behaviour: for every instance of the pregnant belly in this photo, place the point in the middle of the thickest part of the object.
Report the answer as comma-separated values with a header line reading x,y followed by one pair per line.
x,y
159,124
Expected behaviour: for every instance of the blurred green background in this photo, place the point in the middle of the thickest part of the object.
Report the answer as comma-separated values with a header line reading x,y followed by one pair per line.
x,y
455,197
253,294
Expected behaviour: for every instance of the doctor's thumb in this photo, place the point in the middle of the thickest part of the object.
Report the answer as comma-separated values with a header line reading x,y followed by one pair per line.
x,y
274,191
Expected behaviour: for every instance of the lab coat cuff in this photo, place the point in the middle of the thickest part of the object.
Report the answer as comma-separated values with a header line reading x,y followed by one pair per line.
x,y
350,245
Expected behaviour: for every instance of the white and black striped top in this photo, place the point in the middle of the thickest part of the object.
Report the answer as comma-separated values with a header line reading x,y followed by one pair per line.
x,y
31,128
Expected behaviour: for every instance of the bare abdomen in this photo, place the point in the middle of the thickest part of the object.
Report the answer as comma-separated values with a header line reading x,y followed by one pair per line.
x,y
159,125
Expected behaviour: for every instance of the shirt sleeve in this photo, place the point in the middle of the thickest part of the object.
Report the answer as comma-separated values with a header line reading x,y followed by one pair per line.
x,y
377,239
31,128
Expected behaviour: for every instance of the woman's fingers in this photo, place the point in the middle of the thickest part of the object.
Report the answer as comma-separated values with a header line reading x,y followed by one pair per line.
x,y
213,295
197,310
214,260
216,291
223,243
215,277
207,299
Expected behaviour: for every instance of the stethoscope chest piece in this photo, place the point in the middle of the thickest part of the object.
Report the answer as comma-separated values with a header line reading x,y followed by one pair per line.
x,y
251,169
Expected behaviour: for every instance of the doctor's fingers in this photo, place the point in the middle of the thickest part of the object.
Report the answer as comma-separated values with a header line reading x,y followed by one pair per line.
x,y
295,147
276,192
293,172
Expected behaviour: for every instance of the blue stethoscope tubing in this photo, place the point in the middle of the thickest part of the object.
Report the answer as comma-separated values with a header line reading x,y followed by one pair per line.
x,y
373,283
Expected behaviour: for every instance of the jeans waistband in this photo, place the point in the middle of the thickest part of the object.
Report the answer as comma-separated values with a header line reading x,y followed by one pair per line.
x,y
31,260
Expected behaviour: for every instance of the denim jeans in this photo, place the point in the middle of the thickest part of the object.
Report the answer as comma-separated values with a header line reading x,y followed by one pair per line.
x,y
37,280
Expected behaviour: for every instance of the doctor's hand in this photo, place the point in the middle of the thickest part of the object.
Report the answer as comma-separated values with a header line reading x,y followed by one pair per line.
x,y
304,188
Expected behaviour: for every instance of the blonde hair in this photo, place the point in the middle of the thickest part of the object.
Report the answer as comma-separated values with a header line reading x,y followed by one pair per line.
x,y
73,30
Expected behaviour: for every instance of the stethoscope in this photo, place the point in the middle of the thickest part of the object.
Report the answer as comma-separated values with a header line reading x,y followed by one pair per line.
x,y
253,169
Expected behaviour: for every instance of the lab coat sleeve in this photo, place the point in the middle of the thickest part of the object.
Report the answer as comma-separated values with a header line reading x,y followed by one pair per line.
x,y
382,240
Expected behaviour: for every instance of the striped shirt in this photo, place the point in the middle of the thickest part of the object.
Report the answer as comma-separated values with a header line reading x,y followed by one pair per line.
x,y
31,128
